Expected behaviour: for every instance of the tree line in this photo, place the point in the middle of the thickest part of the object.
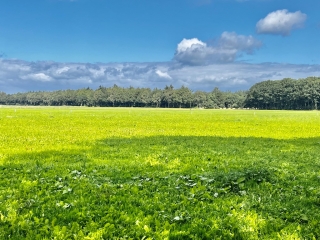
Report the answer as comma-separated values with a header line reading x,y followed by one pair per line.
x,y
290,94
280,94
116,96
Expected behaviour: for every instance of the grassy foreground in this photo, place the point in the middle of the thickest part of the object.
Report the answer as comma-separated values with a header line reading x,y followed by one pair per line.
x,y
85,173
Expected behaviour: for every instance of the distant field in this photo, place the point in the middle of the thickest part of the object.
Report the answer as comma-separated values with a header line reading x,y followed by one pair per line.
x,y
127,173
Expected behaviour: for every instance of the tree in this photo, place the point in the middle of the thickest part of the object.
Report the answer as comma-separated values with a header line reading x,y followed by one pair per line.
x,y
156,96
168,95
216,99
183,96
100,97
199,98
285,94
3,98
83,96
144,97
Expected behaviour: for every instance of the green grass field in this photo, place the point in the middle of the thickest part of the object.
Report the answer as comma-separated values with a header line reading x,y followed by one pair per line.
x,y
95,173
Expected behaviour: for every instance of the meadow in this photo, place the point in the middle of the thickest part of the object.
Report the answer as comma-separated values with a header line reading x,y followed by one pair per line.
x,y
129,173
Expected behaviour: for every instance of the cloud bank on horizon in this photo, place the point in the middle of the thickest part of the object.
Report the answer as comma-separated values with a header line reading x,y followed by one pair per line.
x,y
197,64
21,76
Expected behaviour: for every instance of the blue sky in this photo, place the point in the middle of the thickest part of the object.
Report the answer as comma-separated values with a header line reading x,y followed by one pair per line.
x,y
201,44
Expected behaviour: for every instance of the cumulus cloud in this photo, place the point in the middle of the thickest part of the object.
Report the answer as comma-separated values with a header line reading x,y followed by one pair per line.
x,y
22,76
187,44
225,49
281,22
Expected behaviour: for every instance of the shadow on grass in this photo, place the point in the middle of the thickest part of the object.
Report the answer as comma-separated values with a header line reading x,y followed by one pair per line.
x,y
179,180
162,155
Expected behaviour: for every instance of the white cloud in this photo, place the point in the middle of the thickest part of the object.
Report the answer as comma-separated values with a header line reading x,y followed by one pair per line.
x,y
163,74
226,49
187,44
281,22
247,44
37,77
62,70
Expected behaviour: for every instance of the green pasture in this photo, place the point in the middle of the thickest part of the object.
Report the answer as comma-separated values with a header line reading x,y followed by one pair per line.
x,y
128,173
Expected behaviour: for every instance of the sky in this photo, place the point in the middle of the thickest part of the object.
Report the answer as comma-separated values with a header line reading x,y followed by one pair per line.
x,y
48,45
